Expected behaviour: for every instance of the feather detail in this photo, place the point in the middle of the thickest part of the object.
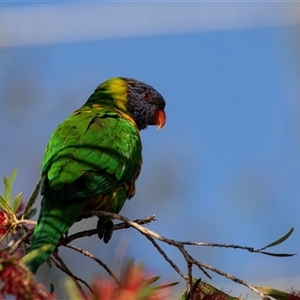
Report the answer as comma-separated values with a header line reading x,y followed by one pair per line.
x,y
93,159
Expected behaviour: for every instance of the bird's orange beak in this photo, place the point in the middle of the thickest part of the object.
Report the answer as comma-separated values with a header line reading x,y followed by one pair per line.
x,y
159,118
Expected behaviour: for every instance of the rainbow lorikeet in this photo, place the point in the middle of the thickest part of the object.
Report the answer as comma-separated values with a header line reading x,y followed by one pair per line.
x,y
93,159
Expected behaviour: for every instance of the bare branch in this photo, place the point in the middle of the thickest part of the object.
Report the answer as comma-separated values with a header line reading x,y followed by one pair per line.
x,y
151,236
180,246
62,266
93,257
21,240
91,232
190,276
161,251
229,276
187,256
28,222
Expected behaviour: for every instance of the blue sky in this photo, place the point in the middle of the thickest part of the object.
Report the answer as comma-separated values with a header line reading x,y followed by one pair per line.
x,y
225,168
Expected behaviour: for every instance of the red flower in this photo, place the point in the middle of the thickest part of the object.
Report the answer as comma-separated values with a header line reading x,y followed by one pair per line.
x,y
134,285
16,280
4,222
294,295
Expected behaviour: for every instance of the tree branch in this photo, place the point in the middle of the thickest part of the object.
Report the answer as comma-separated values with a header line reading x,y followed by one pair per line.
x,y
179,245
151,236
62,266
91,232
21,240
93,257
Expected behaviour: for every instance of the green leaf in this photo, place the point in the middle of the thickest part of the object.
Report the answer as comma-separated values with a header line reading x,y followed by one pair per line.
x,y
160,287
279,241
153,279
276,294
164,286
32,199
51,288
202,289
30,214
8,184
4,205
17,201
49,263
71,289
278,254
33,254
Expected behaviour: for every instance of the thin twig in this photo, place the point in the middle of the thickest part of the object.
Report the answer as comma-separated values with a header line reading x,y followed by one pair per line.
x,y
151,235
187,257
93,257
202,244
21,240
179,245
229,276
25,221
61,265
161,251
190,275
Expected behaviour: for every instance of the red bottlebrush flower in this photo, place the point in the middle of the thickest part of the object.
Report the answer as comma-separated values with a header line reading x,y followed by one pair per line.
x,y
216,296
294,295
136,285
16,280
103,289
133,286
4,222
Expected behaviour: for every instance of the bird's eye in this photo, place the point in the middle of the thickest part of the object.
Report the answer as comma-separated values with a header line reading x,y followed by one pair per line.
x,y
147,96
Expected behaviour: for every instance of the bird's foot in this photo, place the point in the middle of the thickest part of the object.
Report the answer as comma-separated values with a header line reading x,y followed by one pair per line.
x,y
105,230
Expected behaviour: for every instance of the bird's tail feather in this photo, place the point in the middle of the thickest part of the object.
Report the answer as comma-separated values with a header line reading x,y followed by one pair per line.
x,y
53,222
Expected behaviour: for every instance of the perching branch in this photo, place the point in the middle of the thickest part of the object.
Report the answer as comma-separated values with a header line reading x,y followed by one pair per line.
x,y
91,232
190,261
16,228
152,237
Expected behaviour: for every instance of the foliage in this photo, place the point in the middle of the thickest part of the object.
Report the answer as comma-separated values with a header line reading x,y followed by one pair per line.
x,y
133,285
15,279
280,295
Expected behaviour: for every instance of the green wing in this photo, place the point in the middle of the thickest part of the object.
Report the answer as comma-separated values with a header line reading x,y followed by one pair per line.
x,y
93,152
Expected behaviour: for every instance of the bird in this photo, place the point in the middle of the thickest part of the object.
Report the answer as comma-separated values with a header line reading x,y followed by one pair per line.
x,y
93,159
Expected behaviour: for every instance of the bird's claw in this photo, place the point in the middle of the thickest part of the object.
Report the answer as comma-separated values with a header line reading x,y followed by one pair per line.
x,y
105,230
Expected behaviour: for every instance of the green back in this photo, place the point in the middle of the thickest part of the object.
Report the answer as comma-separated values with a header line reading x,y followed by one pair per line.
x,y
91,152
94,151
